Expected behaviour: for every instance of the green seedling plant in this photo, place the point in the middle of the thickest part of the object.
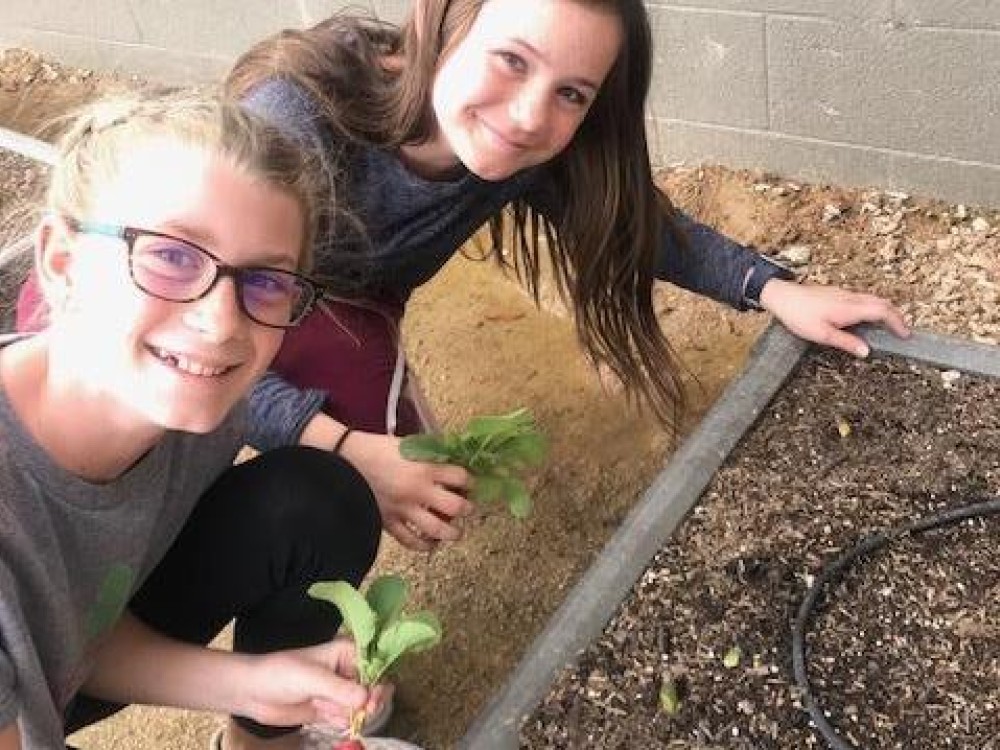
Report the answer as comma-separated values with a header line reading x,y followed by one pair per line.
x,y
496,450
382,633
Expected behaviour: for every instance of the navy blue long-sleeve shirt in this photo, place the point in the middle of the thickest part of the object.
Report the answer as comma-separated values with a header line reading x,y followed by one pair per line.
x,y
413,226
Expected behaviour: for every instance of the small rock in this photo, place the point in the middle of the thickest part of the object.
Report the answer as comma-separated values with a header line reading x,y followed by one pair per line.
x,y
831,213
890,249
883,225
979,224
961,212
949,377
796,255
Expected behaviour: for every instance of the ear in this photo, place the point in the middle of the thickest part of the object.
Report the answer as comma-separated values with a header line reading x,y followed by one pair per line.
x,y
54,253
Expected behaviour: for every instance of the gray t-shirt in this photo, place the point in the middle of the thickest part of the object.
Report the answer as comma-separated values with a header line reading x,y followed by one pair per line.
x,y
72,553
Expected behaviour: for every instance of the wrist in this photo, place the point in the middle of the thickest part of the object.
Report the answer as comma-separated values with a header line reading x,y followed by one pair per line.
x,y
762,271
338,446
322,431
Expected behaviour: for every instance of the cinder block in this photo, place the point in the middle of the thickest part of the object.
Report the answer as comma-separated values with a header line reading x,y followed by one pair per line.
x,y
974,183
709,67
819,8
157,64
963,14
212,27
387,10
103,19
905,89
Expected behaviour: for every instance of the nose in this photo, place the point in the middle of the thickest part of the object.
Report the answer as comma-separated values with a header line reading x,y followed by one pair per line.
x,y
217,315
529,108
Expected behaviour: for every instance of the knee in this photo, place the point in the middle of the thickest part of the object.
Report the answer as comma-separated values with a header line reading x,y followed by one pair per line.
x,y
313,494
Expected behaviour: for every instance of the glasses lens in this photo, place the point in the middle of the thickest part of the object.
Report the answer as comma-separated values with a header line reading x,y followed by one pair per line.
x,y
171,269
273,297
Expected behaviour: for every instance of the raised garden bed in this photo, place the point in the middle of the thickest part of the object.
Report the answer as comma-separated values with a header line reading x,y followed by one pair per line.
x,y
901,650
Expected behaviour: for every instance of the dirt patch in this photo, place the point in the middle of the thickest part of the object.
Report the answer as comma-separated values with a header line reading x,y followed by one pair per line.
x,y
902,652
480,346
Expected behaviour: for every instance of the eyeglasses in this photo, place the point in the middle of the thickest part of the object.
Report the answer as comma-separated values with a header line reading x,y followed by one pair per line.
x,y
176,270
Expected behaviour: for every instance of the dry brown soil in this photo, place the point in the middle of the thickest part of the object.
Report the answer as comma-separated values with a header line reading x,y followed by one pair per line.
x,y
480,346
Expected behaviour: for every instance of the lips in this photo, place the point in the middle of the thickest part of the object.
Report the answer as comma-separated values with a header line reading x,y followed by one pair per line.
x,y
511,144
190,365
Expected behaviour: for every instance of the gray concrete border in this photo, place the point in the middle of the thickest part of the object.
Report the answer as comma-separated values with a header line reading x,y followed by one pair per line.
x,y
596,597
26,146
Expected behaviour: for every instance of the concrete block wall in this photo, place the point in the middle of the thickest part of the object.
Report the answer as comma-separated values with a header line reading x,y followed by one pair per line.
x,y
900,94
175,41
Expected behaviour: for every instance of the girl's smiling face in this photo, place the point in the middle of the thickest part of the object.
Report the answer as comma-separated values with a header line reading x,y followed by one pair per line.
x,y
513,92
178,366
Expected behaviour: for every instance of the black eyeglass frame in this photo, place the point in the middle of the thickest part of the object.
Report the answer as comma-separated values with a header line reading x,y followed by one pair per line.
x,y
128,234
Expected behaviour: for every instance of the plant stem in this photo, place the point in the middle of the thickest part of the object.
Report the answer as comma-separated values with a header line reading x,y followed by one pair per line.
x,y
357,722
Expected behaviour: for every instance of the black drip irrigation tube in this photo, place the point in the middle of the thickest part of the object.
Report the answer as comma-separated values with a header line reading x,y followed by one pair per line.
x,y
833,572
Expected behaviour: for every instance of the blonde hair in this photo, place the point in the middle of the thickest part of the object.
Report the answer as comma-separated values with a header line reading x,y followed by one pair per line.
x,y
103,135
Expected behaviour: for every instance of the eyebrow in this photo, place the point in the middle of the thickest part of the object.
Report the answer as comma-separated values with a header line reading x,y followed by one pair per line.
x,y
584,82
194,236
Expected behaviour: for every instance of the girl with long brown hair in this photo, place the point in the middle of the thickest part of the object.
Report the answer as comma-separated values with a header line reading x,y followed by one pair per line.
x,y
527,115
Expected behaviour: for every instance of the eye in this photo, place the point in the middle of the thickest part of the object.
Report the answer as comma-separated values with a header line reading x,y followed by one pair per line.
x,y
269,285
574,96
512,61
171,258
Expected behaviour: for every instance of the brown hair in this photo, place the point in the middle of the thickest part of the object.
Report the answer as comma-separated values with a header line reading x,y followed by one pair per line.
x,y
373,83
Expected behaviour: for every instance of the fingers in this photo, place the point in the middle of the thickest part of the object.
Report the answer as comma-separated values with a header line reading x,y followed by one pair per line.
x,y
878,310
446,503
409,536
378,696
454,478
845,341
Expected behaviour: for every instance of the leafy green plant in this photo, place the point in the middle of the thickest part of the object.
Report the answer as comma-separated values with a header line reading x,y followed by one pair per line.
x,y
494,449
381,632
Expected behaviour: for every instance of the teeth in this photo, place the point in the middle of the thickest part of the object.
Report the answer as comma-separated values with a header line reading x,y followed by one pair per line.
x,y
188,365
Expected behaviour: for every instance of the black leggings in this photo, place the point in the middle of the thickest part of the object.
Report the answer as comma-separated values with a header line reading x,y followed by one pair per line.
x,y
258,538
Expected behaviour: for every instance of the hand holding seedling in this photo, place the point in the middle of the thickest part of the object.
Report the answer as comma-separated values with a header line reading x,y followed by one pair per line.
x,y
495,450
315,683
419,502
381,632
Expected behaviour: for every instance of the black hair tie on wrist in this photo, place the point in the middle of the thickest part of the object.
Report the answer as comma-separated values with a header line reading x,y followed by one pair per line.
x,y
340,441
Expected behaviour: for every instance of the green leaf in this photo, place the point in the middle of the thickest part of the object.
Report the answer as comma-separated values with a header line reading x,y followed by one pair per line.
x,y
498,426
406,635
491,448
372,669
670,700
386,596
427,448
732,657
526,449
487,489
518,499
359,618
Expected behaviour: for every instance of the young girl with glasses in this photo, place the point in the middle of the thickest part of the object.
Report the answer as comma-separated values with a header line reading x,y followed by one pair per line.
x,y
471,108
171,257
